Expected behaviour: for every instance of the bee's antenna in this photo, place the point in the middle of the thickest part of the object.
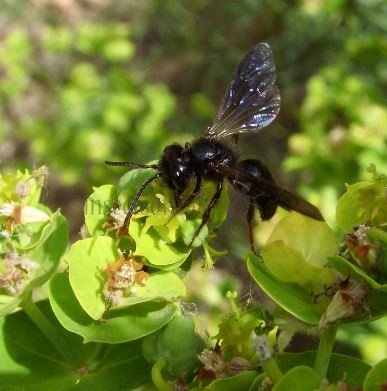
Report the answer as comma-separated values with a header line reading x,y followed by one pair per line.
x,y
139,165
137,196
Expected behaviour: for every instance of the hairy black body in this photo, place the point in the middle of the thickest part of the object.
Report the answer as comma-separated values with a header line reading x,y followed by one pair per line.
x,y
200,158
252,102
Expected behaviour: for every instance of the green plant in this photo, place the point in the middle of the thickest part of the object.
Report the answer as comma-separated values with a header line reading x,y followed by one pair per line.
x,y
123,295
342,117
87,98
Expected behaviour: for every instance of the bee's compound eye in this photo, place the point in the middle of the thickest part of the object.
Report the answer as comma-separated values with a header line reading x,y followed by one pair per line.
x,y
181,176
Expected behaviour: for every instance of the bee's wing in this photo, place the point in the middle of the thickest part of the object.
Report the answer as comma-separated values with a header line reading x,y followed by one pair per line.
x,y
252,100
262,187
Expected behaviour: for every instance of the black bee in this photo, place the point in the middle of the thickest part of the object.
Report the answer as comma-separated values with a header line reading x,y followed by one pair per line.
x,y
252,102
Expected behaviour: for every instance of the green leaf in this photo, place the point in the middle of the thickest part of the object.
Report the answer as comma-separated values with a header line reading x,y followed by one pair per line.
x,y
173,266
286,361
314,240
299,378
97,208
177,344
285,263
87,260
118,326
362,203
159,285
219,212
292,248
376,378
290,296
31,235
354,369
28,358
189,229
375,304
51,247
129,184
181,345
242,381
47,254
156,251
348,268
27,236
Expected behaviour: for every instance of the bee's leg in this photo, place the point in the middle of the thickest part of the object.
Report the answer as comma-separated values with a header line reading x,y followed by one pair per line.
x,y
177,197
136,197
250,219
182,205
207,212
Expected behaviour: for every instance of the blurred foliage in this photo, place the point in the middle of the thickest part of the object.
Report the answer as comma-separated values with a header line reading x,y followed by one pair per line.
x,y
77,102
343,116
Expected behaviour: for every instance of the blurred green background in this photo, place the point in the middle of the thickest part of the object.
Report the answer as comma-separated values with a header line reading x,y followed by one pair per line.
x,y
85,81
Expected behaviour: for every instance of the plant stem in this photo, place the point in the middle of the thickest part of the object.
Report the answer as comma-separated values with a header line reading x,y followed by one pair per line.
x,y
327,340
271,370
157,377
51,333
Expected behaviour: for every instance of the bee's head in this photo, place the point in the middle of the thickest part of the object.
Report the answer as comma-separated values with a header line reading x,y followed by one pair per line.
x,y
176,167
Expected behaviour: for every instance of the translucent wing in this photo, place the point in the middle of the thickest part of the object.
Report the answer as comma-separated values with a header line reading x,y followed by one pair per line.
x,y
252,100
260,186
